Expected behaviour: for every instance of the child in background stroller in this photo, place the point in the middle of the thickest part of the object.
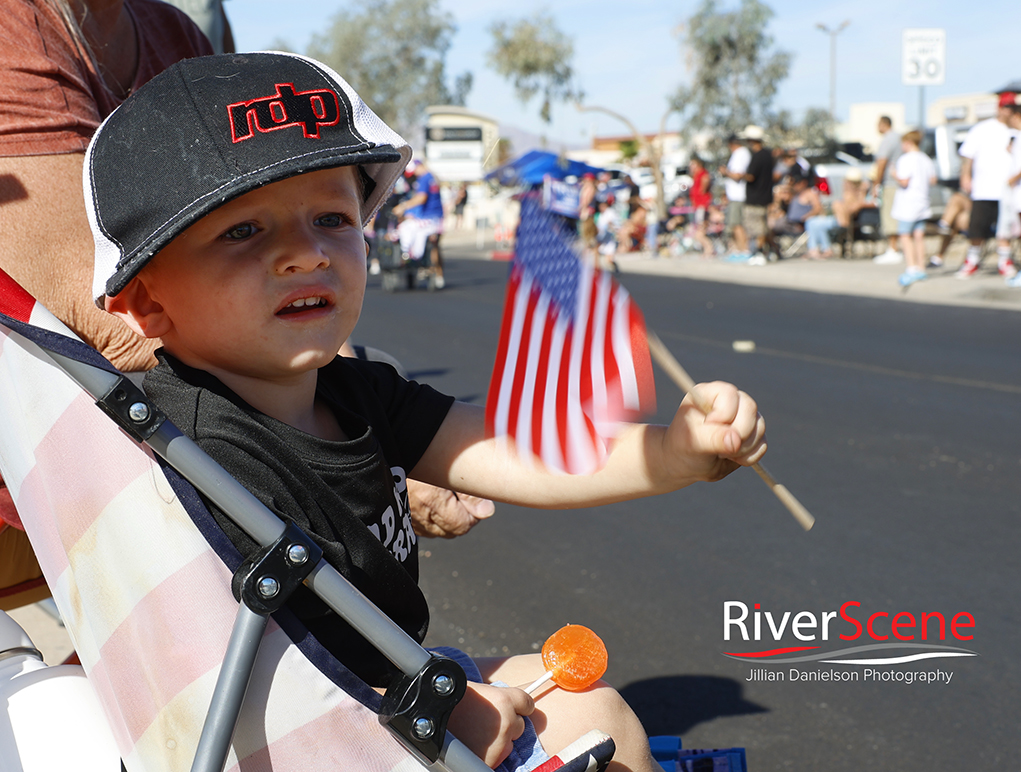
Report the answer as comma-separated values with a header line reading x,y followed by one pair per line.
x,y
387,258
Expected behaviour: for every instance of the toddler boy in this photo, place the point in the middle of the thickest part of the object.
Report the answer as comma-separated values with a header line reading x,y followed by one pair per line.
x,y
227,198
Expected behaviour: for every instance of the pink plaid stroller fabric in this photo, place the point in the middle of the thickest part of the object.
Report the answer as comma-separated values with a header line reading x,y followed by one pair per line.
x,y
145,597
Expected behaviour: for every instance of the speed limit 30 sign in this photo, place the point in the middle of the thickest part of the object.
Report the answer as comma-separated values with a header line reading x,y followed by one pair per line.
x,y
924,57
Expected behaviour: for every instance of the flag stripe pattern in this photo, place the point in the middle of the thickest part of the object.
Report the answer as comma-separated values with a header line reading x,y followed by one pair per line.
x,y
572,363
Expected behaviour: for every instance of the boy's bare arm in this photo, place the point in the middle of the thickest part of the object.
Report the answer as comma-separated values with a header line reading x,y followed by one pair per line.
x,y
644,460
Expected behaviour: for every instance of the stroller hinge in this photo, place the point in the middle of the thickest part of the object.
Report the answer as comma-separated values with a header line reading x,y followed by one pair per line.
x,y
416,708
265,581
128,406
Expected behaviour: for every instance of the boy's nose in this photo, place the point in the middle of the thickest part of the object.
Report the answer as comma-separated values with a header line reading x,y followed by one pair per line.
x,y
301,251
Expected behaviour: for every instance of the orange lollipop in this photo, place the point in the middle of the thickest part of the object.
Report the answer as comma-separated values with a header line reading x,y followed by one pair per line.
x,y
575,659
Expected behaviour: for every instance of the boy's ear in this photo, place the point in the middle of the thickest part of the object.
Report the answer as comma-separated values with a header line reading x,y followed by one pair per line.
x,y
139,310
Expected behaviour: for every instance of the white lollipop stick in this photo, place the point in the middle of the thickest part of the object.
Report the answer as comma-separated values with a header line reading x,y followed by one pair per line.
x,y
539,682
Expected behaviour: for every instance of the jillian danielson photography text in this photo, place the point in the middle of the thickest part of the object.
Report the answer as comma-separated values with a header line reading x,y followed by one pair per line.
x,y
937,676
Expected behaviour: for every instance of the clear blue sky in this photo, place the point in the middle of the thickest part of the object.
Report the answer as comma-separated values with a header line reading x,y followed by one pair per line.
x,y
628,57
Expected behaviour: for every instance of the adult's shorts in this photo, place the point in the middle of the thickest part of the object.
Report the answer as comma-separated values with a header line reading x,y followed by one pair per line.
x,y
984,215
886,221
755,221
735,214
1008,226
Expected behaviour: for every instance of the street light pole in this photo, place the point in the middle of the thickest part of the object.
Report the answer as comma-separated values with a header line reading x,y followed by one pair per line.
x,y
833,62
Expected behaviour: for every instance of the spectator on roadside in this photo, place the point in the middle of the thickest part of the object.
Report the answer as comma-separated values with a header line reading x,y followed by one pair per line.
x,y
1014,181
790,163
955,218
806,208
423,223
758,191
460,201
853,198
914,174
631,235
885,189
634,197
587,201
701,199
985,169
734,186
607,223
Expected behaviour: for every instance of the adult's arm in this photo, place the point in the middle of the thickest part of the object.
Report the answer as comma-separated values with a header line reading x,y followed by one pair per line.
x,y
880,172
48,248
966,175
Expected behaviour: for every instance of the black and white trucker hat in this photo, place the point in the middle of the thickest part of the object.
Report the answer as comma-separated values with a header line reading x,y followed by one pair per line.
x,y
210,129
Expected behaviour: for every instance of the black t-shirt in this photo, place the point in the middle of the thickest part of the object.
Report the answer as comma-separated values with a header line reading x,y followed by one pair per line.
x,y
759,190
350,496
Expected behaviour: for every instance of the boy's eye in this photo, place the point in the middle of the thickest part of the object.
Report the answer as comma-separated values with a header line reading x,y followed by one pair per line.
x,y
239,231
332,220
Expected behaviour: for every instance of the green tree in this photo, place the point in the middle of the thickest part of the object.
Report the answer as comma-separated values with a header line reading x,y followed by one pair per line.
x,y
393,53
815,129
628,149
736,70
536,57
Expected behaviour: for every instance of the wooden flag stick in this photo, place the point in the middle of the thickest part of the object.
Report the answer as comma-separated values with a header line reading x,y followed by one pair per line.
x,y
685,382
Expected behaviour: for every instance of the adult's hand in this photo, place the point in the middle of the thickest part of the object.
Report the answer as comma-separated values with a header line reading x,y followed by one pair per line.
x,y
438,512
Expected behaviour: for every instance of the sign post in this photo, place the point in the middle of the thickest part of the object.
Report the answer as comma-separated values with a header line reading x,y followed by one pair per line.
x,y
923,62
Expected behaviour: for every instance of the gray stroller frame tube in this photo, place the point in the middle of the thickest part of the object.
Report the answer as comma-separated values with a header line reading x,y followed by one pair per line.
x,y
265,528
229,692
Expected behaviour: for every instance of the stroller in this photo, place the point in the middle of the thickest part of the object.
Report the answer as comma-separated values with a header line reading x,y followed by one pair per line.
x,y
180,674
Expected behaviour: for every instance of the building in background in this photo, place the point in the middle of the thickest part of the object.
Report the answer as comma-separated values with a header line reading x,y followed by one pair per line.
x,y
460,145
962,108
863,120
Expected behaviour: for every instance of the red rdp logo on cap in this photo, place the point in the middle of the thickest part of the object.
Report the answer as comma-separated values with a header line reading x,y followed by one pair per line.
x,y
285,108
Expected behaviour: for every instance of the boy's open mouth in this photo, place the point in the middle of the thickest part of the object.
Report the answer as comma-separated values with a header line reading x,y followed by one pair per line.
x,y
302,305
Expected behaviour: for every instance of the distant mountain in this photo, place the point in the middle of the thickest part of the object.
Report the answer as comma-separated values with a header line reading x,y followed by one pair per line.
x,y
522,141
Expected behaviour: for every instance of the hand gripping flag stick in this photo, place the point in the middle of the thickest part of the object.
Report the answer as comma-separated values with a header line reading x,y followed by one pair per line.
x,y
685,382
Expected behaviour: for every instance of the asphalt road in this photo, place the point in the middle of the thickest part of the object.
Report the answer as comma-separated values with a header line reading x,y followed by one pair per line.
x,y
895,424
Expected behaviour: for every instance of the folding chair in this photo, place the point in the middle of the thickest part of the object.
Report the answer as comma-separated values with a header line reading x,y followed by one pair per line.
x,y
189,678
865,227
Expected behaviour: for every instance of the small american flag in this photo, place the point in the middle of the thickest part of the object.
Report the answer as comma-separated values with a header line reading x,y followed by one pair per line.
x,y
573,361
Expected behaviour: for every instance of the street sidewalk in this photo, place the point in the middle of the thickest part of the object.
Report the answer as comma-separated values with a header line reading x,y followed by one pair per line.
x,y
853,276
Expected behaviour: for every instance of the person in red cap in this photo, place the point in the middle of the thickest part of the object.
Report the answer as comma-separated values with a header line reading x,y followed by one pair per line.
x,y
985,167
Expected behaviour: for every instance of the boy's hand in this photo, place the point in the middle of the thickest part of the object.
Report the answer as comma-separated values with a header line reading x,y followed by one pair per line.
x,y
709,446
489,718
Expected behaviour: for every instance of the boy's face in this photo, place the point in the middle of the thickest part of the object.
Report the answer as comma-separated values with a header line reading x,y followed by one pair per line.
x,y
270,284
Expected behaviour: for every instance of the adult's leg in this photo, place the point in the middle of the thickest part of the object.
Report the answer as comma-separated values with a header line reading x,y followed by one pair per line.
x,y
887,223
981,224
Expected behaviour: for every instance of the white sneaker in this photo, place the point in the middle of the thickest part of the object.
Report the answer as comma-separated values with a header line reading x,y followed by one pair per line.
x,y
374,268
889,257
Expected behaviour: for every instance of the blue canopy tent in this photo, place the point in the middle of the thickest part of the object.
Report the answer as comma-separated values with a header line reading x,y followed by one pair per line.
x,y
532,167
